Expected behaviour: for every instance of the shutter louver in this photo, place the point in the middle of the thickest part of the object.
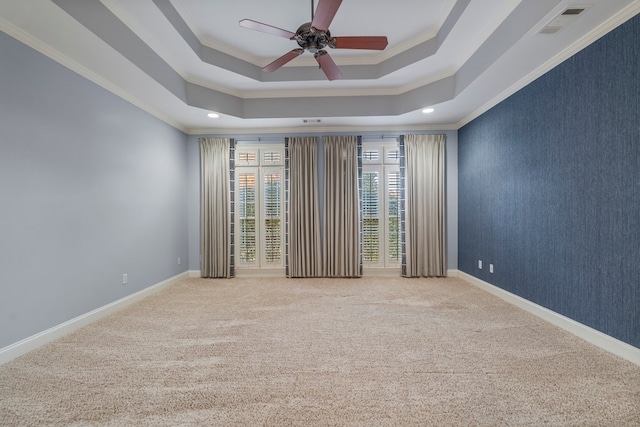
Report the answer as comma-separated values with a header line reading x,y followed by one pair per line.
x,y
272,217
272,157
370,217
247,217
393,212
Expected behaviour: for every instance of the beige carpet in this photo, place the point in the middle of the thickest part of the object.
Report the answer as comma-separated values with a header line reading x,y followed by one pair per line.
x,y
360,352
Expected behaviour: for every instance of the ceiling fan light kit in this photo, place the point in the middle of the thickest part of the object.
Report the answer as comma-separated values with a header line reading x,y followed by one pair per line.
x,y
315,36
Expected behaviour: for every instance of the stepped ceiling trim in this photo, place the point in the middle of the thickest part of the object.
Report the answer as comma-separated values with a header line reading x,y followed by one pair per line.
x,y
473,58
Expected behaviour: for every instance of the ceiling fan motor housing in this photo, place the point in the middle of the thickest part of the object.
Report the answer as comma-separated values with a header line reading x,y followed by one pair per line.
x,y
314,36
312,39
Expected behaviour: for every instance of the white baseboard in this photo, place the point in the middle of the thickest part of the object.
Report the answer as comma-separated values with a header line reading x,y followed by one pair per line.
x,y
606,342
33,342
597,338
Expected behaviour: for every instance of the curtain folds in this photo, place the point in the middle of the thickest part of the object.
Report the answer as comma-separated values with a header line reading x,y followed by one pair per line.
x,y
304,253
425,206
341,208
215,213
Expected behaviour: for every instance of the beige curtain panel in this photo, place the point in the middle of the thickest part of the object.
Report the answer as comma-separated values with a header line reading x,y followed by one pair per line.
x,y
425,205
215,217
341,209
305,256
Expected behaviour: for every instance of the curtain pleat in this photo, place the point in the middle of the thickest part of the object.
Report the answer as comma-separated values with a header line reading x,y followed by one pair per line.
x,y
304,251
341,207
425,206
215,240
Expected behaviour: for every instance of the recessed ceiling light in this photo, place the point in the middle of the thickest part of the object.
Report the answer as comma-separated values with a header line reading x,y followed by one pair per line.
x,y
428,110
213,115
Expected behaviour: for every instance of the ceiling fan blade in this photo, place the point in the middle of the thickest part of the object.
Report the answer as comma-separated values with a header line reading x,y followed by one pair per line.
x,y
329,67
325,12
364,42
269,29
283,60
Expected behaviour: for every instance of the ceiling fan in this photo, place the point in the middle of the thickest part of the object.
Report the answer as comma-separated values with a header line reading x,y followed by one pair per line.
x,y
314,36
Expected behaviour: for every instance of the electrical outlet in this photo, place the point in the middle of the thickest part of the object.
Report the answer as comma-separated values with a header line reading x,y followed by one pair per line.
x,y
179,261
125,279
480,264
490,268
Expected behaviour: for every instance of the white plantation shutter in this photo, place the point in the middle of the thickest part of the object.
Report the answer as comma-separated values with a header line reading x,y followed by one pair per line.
x,y
371,216
246,210
272,218
393,217
272,156
246,157
259,206
371,155
391,155
381,242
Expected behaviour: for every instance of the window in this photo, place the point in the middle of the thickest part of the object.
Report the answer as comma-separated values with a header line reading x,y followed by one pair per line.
x,y
260,207
381,206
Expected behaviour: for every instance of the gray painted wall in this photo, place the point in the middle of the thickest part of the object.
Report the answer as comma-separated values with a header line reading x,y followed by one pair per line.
x,y
194,187
91,187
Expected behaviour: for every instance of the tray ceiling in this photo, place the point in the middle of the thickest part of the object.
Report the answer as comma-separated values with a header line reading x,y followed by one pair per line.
x,y
181,59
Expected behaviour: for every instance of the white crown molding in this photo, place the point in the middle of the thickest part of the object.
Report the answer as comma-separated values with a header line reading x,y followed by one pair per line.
x,y
364,91
597,338
320,129
318,93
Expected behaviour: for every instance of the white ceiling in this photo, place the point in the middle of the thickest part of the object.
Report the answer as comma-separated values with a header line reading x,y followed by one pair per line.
x,y
180,59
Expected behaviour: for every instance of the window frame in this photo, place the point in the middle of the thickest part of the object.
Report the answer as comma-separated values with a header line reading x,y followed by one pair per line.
x,y
383,165
261,168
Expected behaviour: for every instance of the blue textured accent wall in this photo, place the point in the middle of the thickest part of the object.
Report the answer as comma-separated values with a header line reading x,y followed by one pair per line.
x,y
549,188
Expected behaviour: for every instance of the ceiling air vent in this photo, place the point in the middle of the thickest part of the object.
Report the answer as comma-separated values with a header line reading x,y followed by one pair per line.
x,y
574,11
569,15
